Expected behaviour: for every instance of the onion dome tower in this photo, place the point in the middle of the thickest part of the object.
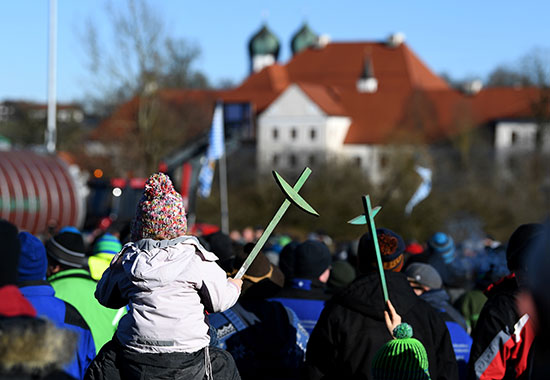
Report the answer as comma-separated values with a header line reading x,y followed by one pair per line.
x,y
303,39
263,49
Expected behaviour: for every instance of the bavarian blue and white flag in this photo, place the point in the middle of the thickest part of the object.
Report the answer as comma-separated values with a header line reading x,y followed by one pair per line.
x,y
423,190
216,149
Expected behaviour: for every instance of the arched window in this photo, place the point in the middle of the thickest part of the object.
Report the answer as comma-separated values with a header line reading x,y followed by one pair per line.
x,y
275,133
313,133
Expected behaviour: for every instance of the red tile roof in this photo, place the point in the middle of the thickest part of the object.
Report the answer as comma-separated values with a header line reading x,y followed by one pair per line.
x,y
409,94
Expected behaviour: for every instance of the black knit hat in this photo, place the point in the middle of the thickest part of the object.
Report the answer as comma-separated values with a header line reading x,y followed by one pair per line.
x,y
311,259
524,240
11,249
391,247
222,246
287,258
67,248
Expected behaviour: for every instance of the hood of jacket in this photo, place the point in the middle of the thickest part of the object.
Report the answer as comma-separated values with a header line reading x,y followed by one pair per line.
x,y
438,298
153,263
364,295
34,345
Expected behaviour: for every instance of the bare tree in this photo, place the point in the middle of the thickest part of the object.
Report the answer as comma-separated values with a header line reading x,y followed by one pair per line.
x,y
140,51
140,62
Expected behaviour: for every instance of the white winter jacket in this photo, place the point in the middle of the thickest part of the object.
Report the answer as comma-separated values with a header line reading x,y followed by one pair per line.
x,y
167,284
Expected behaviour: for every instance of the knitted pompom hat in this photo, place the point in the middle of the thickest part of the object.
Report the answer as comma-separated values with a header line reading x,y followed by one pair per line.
x,y
391,247
442,244
160,213
403,358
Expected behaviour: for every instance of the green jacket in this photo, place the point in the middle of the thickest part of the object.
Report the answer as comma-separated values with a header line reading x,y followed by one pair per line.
x,y
77,287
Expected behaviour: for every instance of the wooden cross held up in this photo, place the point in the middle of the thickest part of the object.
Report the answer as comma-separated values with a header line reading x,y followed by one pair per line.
x,y
368,219
291,196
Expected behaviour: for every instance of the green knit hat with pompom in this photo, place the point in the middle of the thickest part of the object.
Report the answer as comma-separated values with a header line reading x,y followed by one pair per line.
x,y
403,358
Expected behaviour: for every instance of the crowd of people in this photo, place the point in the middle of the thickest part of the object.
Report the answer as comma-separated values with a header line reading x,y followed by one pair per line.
x,y
152,301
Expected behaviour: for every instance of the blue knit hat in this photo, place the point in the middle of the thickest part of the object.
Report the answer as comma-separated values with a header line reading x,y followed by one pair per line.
x,y
33,262
442,244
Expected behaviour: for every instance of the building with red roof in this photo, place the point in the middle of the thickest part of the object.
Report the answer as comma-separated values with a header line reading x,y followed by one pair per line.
x,y
355,100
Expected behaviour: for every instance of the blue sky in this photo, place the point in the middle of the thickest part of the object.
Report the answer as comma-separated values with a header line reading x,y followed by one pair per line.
x,y
466,38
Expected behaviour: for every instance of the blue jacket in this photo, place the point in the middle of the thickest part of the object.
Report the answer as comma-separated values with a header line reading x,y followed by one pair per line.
x,y
462,342
306,298
265,338
42,296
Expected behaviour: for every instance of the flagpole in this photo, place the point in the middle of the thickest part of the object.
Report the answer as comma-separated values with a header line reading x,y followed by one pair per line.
x,y
52,98
223,195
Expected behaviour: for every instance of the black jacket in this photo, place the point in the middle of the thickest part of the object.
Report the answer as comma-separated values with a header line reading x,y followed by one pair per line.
x,y
351,330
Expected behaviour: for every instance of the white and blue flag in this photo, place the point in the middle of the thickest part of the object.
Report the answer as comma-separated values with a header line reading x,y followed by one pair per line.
x,y
423,190
216,149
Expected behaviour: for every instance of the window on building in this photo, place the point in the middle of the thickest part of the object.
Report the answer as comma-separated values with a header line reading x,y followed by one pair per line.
x,y
275,133
292,160
293,133
275,159
514,138
383,161
313,133
358,161
311,160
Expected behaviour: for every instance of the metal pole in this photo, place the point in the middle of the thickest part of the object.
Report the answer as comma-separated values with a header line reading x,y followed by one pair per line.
x,y
223,195
52,63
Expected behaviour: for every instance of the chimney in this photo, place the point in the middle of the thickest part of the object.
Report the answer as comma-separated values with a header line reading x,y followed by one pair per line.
x,y
396,39
472,87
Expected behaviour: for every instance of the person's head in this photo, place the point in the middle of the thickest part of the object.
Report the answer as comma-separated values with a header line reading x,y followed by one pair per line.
x,y
391,247
160,213
11,249
523,241
423,278
33,263
222,246
401,358
442,245
311,261
262,279
107,243
341,274
66,250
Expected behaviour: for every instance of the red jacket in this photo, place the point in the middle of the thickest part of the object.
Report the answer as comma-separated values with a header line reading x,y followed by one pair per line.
x,y
502,337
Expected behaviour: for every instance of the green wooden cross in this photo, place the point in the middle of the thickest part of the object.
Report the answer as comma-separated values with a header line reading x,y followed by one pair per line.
x,y
368,219
291,196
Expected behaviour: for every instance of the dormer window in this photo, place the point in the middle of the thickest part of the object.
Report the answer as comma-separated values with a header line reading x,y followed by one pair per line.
x,y
367,82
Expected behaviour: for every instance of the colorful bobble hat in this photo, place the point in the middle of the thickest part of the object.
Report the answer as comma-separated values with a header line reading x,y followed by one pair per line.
x,y
160,213
403,358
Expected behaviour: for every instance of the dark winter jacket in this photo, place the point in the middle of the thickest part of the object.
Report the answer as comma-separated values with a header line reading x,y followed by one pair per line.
x,y
306,298
462,342
502,337
351,329
116,362
265,338
42,297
